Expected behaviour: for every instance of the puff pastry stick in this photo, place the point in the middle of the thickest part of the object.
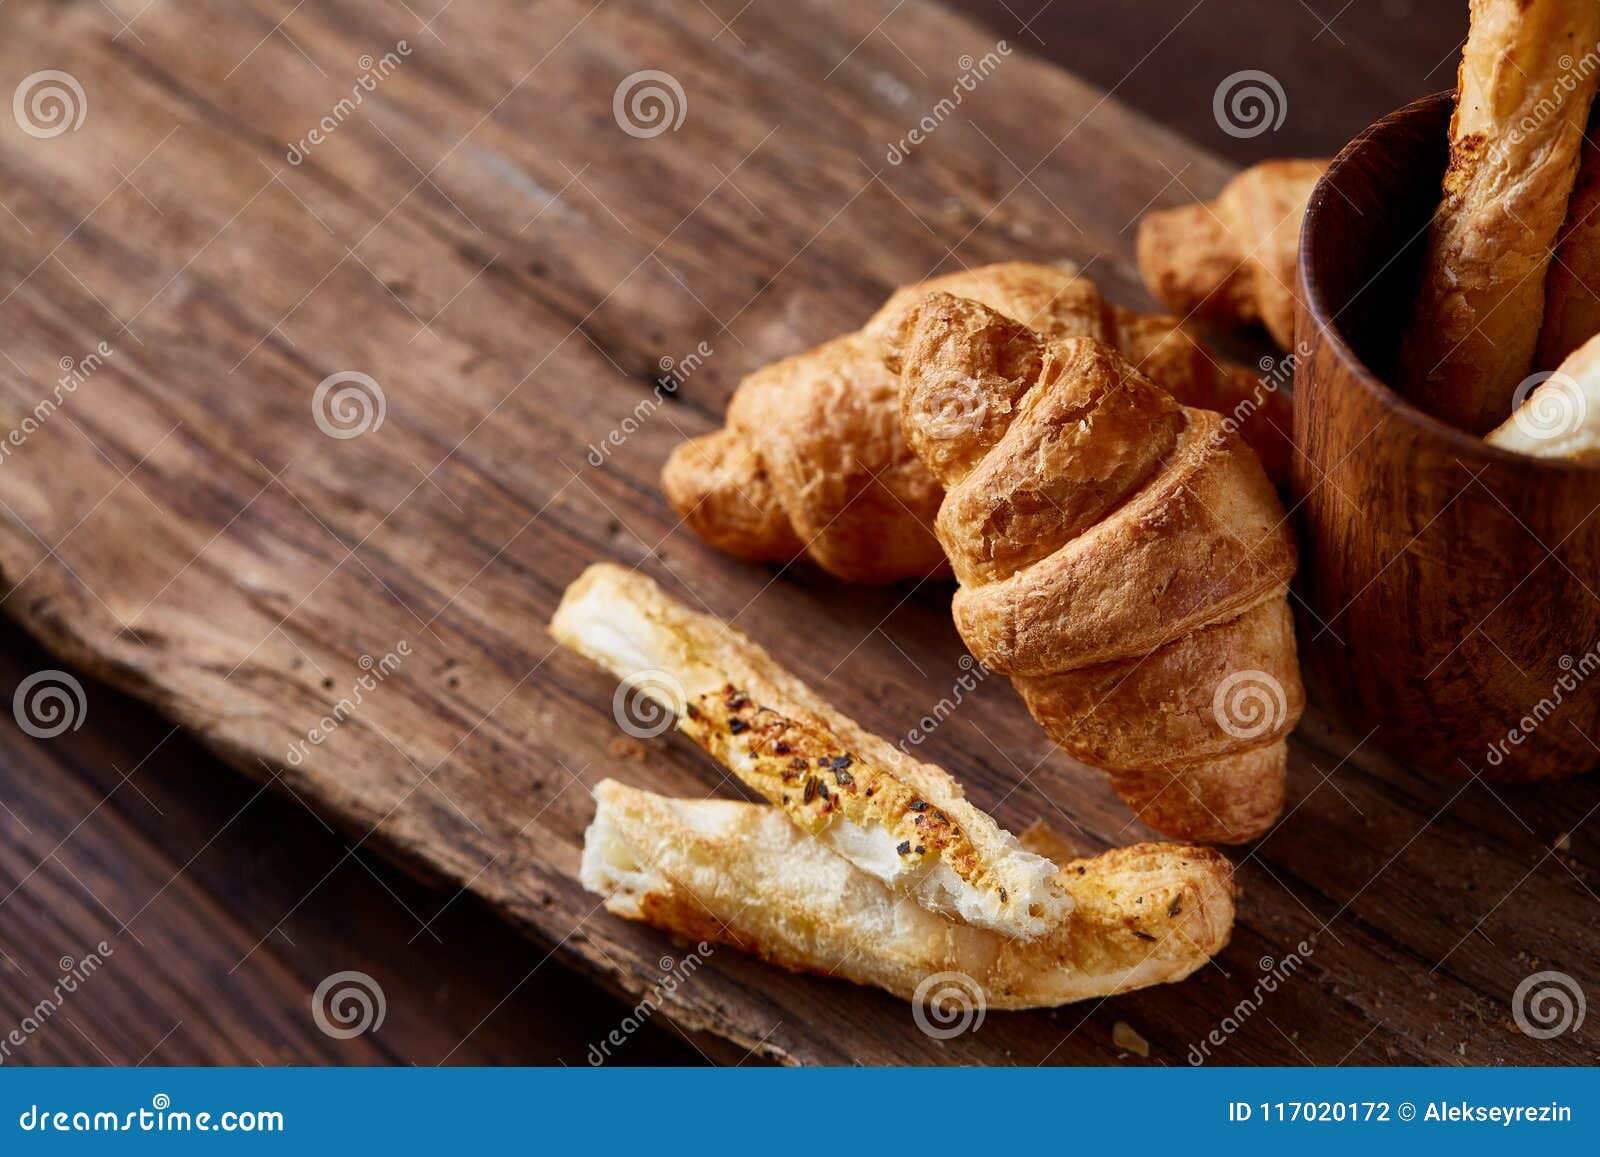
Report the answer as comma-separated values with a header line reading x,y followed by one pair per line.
x,y
1121,556
740,874
900,821
1231,262
1572,287
812,460
1521,105
1561,417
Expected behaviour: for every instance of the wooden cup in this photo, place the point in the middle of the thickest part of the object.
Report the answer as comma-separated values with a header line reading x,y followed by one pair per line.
x,y
1449,587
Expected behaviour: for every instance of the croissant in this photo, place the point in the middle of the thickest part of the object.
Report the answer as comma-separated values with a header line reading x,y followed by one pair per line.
x,y
1231,262
740,874
1561,417
903,822
1122,556
812,459
1572,287
1520,114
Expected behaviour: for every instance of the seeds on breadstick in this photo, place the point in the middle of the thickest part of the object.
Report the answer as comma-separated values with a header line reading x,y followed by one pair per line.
x,y
899,820
741,874
1522,101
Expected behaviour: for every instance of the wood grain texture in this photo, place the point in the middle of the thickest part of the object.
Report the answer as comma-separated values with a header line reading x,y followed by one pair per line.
x,y
1448,579
482,239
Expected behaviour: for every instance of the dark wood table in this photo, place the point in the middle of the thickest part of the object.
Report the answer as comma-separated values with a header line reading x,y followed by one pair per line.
x,y
227,904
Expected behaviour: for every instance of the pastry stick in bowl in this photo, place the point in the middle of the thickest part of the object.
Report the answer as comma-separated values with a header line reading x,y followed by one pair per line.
x,y
899,821
1560,418
741,874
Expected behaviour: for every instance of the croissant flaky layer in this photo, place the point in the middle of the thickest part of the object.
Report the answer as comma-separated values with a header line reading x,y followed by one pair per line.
x,y
813,461
1121,555
742,875
1231,262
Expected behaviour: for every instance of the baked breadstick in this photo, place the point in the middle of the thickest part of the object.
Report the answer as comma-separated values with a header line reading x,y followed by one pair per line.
x,y
740,874
1231,262
1572,287
1521,106
903,822
1561,417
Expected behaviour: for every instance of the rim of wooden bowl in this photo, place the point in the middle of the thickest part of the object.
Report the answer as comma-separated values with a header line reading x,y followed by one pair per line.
x,y
1375,137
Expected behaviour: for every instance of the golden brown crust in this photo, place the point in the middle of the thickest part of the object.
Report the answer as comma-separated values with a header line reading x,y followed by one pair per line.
x,y
733,699
740,874
1123,555
1520,112
1572,287
813,462
1231,262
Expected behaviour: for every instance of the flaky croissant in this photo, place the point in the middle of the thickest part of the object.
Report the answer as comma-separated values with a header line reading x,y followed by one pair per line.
x,y
812,459
1231,262
1122,556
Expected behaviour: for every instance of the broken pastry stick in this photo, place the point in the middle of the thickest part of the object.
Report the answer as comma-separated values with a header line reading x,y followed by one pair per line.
x,y
900,821
1560,418
741,874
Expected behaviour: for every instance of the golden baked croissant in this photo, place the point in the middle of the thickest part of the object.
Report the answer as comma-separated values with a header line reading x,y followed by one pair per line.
x,y
1122,556
741,874
812,459
1231,262
1572,287
1561,417
1521,107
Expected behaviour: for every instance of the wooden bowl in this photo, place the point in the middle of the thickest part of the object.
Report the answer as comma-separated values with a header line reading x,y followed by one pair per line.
x,y
1449,588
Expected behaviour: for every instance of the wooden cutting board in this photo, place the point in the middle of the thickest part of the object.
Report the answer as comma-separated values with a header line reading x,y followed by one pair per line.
x,y
476,233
